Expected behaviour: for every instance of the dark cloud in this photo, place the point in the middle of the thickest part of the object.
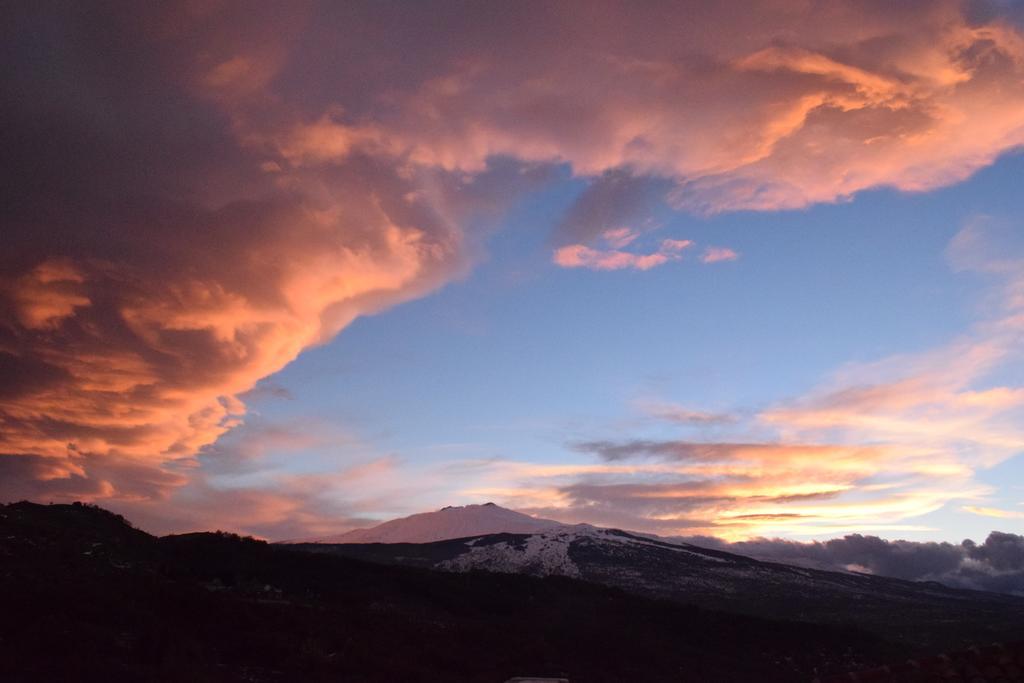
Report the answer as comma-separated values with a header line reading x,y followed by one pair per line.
x,y
83,477
615,199
23,376
997,564
688,451
676,450
268,390
1001,551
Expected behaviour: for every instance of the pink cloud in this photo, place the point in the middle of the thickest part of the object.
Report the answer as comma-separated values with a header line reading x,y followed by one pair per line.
x,y
718,254
295,181
675,246
617,238
797,104
582,256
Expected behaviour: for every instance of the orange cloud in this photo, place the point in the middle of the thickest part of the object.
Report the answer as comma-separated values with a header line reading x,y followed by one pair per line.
x,y
183,223
145,285
47,294
789,106
202,332
993,512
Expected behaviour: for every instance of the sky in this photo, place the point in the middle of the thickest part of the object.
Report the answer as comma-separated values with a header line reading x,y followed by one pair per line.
x,y
694,269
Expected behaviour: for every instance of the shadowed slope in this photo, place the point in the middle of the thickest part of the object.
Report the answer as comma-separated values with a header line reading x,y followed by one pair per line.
x,y
924,615
85,597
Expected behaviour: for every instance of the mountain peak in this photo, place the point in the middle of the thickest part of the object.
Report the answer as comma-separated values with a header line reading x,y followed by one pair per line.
x,y
447,523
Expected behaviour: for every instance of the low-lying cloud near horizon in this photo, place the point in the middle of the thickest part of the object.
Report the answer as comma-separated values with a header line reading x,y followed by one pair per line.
x,y
996,564
196,193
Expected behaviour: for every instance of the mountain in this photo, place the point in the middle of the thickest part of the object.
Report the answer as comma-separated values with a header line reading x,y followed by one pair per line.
x,y
446,523
924,615
86,597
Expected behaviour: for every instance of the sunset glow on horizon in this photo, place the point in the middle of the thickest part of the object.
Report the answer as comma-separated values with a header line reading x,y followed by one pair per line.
x,y
692,269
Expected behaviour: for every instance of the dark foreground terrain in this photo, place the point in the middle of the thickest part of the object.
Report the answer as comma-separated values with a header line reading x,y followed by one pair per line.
x,y
84,597
925,616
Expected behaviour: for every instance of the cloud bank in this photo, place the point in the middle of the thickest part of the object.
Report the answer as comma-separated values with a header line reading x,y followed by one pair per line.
x,y
997,564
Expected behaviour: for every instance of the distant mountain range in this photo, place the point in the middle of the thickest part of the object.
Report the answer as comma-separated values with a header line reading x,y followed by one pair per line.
x,y
473,538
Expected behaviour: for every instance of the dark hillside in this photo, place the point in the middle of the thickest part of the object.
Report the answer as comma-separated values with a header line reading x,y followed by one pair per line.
x,y
923,616
83,596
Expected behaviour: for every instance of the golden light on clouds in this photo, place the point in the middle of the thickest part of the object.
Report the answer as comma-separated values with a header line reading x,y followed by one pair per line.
x,y
187,222
876,447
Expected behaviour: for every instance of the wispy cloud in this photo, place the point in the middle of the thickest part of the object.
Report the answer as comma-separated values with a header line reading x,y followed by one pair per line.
x,y
718,254
581,256
996,564
683,415
617,238
993,512
614,199
876,446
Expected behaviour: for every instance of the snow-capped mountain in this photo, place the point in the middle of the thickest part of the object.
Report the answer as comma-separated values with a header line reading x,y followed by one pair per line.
x,y
923,613
446,523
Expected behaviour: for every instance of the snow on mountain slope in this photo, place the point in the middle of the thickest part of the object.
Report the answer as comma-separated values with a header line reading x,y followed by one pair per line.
x,y
544,553
444,524
547,552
